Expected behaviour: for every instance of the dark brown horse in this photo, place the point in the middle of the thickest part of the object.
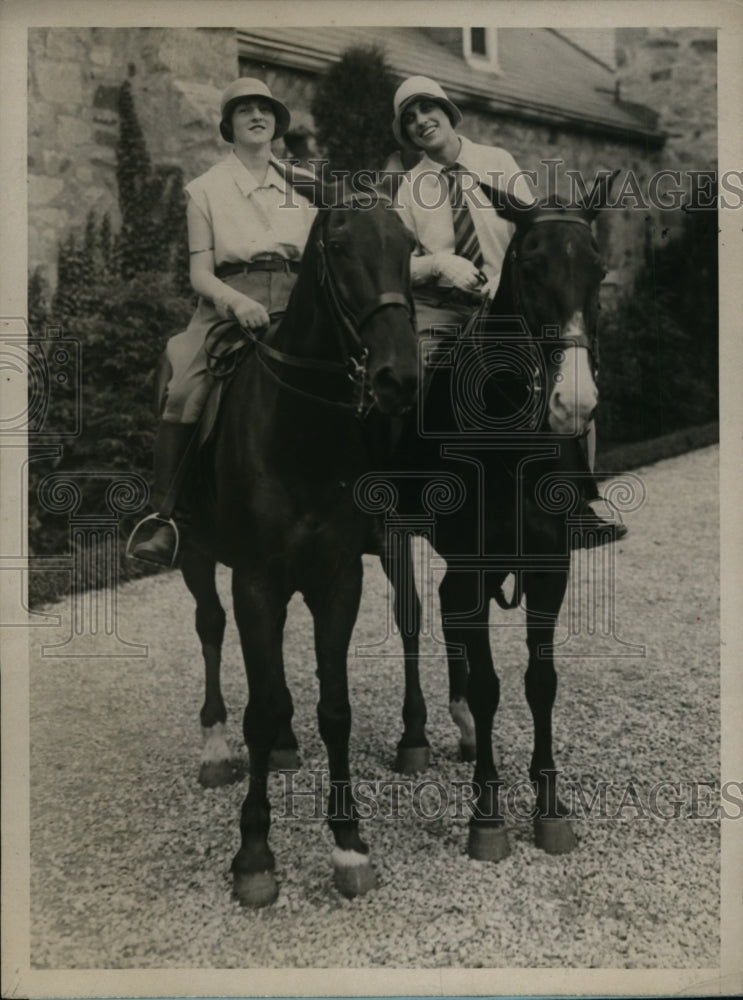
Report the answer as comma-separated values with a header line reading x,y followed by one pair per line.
x,y
504,405
288,448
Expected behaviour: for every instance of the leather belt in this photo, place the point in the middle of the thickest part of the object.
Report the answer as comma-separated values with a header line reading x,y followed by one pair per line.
x,y
269,264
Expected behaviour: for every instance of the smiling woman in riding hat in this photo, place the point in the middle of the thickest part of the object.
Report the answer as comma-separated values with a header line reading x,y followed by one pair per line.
x,y
246,234
446,200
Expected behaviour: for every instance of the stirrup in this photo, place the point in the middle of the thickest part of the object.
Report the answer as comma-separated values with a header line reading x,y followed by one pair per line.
x,y
618,521
168,521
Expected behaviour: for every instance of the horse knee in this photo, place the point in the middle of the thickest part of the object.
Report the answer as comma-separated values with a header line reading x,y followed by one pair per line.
x,y
334,723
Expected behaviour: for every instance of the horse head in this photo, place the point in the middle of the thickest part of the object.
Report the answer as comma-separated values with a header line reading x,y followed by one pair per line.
x,y
551,279
363,258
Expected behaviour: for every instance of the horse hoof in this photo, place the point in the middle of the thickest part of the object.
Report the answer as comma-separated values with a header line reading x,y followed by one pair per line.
x,y
488,843
255,889
216,773
411,760
467,752
283,759
353,873
555,836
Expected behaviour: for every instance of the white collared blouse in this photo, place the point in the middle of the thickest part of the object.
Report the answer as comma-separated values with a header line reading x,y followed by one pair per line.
x,y
248,218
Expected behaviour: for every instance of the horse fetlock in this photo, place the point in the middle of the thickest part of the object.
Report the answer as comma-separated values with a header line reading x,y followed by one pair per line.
x,y
216,767
253,858
462,718
283,759
215,747
412,760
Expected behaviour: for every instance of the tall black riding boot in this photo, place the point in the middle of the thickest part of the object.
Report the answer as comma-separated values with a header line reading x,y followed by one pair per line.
x,y
592,528
175,444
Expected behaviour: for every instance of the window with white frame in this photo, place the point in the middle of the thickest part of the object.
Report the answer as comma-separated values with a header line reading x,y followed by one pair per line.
x,y
481,48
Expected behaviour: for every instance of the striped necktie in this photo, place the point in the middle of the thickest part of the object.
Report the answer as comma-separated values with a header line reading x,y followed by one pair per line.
x,y
466,243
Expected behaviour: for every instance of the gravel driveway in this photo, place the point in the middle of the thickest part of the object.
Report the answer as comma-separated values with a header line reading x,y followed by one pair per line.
x,y
130,856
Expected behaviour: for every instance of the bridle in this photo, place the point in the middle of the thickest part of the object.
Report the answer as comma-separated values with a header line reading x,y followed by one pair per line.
x,y
347,325
585,339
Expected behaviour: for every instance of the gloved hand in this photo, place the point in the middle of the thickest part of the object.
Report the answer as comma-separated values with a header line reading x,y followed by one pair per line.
x,y
454,270
491,287
458,271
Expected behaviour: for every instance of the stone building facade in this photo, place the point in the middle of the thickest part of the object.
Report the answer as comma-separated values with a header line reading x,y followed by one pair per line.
x,y
75,74
598,119
674,70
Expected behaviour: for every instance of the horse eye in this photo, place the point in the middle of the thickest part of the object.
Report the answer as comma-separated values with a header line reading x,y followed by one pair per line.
x,y
336,247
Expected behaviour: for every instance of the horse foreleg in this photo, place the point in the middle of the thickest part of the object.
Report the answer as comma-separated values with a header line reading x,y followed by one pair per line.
x,y
544,593
260,614
413,750
460,593
199,574
459,708
334,611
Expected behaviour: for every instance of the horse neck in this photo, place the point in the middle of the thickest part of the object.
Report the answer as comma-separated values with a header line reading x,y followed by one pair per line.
x,y
503,300
307,327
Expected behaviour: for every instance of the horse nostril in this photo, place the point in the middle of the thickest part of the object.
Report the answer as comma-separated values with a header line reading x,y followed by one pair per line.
x,y
393,389
385,380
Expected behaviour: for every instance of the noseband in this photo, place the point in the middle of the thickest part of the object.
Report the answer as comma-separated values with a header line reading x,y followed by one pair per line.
x,y
348,326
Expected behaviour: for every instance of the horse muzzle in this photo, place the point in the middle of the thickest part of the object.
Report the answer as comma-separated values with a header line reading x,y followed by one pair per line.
x,y
573,396
394,392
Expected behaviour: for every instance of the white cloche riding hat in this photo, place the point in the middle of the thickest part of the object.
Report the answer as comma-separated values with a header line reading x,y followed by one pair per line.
x,y
250,86
413,89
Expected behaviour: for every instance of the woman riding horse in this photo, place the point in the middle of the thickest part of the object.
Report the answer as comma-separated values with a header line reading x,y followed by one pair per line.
x,y
246,234
446,200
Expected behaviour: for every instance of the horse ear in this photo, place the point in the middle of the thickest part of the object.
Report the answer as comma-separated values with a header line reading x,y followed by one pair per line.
x,y
599,195
311,187
511,208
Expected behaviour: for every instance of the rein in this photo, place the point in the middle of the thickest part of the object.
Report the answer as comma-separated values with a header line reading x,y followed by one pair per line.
x,y
347,327
582,340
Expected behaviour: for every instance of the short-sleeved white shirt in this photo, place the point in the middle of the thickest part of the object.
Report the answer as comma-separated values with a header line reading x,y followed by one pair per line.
x,y
422,199
248,218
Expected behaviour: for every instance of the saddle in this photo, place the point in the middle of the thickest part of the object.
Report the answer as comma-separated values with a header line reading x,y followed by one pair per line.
x,y
227,346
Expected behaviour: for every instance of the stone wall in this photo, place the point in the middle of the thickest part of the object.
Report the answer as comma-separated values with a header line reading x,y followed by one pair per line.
x,y
674,71
621,233
176,75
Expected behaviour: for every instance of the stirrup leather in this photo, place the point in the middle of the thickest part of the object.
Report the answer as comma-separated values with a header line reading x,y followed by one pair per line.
x,y
168,521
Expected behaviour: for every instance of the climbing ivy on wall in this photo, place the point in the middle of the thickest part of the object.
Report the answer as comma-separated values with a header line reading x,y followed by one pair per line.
x,y
120,295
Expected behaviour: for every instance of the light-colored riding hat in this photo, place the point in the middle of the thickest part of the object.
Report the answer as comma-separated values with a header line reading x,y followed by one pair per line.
x,y
413,89
250,86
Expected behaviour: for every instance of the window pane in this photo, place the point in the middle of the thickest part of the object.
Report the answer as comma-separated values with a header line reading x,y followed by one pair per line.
x,y
478,42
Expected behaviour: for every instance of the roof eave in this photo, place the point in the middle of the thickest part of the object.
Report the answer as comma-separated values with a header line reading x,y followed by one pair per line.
x,y
311,60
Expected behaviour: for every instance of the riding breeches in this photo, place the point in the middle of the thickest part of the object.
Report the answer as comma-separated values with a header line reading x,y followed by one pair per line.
x,y
190,381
